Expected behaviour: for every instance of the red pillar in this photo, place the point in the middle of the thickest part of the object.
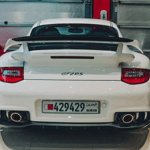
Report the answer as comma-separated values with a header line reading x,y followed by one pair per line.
x,y
98,6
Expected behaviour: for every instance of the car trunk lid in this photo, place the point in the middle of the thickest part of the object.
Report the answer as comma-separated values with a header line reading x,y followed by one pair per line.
x,y
70,65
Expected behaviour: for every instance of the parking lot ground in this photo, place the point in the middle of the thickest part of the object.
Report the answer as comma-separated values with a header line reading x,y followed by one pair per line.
x,y
50,138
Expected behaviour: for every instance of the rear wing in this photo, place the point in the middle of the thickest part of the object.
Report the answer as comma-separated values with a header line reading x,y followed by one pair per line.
x,y
66,38
26,55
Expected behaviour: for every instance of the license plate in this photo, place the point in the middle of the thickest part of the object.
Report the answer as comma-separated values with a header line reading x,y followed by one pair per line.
x,y
70,107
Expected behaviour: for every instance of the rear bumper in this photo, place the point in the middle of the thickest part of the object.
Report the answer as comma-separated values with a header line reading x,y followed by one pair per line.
x,y
57,124
118,96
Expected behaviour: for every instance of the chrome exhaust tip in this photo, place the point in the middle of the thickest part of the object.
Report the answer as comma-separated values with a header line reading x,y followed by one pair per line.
x,y
16,117
19,116
127,118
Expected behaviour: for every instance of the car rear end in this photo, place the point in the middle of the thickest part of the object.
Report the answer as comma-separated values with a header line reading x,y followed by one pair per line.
x,y
74,80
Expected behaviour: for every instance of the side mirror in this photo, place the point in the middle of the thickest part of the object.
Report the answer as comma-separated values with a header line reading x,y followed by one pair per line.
x,y
137,43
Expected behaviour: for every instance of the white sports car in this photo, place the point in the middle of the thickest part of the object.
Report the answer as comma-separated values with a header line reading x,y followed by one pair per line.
x,y
74,72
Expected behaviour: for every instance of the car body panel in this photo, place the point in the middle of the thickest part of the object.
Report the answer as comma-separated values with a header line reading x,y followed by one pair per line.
x,y
97,79
117,95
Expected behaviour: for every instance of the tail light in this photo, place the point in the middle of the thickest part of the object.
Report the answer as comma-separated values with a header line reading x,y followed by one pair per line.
x,y
11,74
135,76
1,50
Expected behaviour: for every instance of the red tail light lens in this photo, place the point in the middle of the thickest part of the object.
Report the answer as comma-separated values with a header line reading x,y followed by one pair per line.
x,y
135,76
1,50
11,74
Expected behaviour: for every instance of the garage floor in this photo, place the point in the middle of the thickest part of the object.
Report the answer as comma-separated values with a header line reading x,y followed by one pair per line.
x,y
50,138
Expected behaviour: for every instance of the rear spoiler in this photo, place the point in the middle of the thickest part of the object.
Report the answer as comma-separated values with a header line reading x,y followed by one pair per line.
x,y
26,55
65,38
72,37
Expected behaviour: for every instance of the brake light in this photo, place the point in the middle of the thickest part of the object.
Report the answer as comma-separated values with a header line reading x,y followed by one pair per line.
x,y
1,50
11,74
135,76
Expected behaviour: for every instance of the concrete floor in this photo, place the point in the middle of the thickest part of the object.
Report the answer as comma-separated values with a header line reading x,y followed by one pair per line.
x,y
50,138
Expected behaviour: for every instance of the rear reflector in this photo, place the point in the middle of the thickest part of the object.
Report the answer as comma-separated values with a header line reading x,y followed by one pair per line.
x,y
135,76
72,57
11,74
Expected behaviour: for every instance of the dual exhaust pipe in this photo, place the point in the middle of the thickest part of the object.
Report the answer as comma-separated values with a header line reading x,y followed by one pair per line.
x,y
121,118
21,117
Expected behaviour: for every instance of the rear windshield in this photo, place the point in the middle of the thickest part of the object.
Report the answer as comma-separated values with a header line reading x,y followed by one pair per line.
x,y
76,46
74,29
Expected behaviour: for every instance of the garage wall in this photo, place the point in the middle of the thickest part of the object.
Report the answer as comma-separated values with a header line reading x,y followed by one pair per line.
x,y
17,16
133,19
